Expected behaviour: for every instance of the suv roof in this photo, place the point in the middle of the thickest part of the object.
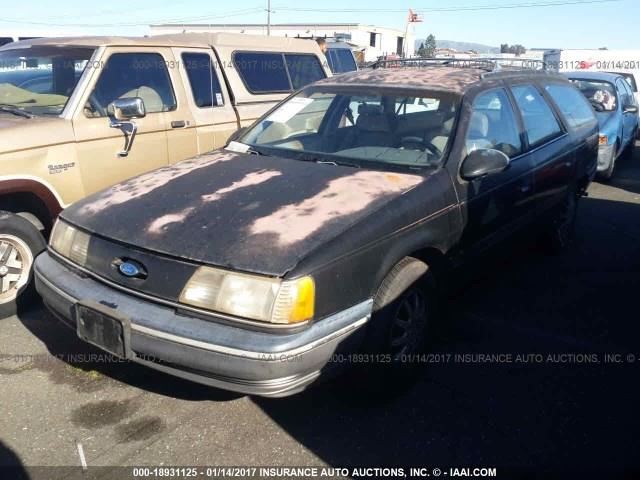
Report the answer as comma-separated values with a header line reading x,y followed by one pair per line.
x,y
449,78
173,40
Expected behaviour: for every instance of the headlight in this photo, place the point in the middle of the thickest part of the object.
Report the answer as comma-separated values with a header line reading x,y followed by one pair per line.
x,y
248,296
70,242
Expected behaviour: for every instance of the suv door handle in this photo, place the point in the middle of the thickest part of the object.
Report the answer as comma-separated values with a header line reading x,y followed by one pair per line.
x,y
178,124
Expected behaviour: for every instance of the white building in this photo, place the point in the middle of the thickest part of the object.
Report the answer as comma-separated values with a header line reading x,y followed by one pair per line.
x,y
373,41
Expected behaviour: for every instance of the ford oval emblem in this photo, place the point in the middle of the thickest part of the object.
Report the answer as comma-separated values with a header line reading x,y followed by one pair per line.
x,y
128,269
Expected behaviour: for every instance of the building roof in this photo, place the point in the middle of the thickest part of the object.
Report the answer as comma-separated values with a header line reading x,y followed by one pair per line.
x,y
436,78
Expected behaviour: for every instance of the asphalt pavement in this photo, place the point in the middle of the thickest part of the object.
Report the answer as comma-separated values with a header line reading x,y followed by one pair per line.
x,y
535,367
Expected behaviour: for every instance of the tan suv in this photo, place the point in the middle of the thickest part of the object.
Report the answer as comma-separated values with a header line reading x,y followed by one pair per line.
x,y
80,114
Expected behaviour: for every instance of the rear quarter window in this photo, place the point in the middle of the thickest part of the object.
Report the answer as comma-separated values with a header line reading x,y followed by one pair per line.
x,y
572,104
262,72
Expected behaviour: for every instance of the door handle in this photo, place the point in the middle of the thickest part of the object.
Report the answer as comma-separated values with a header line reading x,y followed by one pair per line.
x,y
178,124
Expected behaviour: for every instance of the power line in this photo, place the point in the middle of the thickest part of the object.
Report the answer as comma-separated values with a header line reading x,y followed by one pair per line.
x,y
178,20
460,8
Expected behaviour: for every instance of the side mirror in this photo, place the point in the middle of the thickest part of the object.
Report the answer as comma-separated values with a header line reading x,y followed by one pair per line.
x,y
630,108
483,162
237,134
127,108
121,112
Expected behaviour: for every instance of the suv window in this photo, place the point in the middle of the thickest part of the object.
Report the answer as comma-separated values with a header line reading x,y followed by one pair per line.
x,y
265,72
539,120
303,69
262,72
341,60
205,86
127,75
493,124
574,106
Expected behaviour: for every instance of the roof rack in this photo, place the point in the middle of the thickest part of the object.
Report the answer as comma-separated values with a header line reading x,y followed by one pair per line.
x,y
488,64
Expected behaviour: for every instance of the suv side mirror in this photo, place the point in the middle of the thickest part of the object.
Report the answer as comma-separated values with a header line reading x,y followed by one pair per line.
x,y
630,108
483,162
128,108
121,112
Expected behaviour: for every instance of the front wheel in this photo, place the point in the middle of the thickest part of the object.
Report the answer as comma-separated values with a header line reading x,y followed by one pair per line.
x,y
403,313
20,243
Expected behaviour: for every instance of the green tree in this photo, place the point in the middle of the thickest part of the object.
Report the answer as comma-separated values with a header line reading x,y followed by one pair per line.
x,y
420,51
430,46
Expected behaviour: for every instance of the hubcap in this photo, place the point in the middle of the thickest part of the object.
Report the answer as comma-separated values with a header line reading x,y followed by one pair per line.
x,y
408,325
15,264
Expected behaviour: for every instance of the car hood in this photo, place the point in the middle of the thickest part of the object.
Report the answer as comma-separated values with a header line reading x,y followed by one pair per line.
x,y
244,212
19,133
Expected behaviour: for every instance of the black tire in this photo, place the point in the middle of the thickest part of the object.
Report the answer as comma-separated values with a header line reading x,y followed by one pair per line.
x,y
607,174
403,313
20,243
561,232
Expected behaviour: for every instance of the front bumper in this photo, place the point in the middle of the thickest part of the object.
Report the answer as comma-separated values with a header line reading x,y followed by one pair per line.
x,y
262,363
605,156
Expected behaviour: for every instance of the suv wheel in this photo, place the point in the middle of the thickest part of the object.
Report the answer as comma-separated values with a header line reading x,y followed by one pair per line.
x,y
563,227
20,243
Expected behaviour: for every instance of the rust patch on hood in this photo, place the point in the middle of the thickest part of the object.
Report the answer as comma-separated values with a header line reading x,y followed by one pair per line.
x,y
341,197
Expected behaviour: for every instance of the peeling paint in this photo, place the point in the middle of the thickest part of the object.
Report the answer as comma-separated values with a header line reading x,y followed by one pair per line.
x,y
144,184
341,197
159,224
254,178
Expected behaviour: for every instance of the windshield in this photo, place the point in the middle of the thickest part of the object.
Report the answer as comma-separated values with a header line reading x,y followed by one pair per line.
x,y
375,128
39,80
602,95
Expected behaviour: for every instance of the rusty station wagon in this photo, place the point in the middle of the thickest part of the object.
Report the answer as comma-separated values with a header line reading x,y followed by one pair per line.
x,y
323,229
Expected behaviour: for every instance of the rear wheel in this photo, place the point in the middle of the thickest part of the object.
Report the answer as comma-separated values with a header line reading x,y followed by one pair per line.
x,y
20,243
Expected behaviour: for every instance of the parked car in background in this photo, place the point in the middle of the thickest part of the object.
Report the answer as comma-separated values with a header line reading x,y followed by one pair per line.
x,y
340,58
617,111
323,230
80,114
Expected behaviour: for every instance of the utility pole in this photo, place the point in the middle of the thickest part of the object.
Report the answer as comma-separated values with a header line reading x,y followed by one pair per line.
x,y
268,17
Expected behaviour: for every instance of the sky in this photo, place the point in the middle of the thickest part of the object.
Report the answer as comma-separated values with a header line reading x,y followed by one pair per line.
x,y
576,24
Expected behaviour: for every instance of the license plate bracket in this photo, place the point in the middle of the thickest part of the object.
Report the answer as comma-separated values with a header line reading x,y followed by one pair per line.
x,y
103,327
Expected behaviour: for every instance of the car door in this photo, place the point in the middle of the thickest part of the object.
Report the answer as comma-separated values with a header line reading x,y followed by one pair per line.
x,y
629,119
123,73
214,116
549,145
494,205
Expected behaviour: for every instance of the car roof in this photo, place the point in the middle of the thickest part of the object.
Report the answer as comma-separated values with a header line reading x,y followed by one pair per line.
x,y
589,75
431,78
442,78
202,40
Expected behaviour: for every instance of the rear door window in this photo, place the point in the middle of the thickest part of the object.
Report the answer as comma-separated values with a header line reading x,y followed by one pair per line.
x,y
540,123
574,106
204,83
493,124
128,75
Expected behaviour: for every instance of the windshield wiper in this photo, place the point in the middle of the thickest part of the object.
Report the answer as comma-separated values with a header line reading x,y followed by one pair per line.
x,y
5,107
